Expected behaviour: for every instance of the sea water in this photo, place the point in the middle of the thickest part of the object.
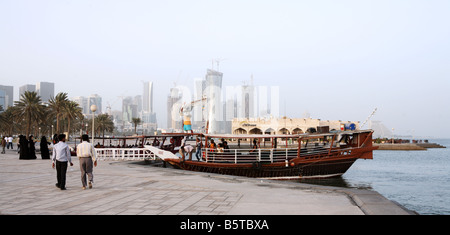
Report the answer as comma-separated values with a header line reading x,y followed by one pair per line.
x,y
418,180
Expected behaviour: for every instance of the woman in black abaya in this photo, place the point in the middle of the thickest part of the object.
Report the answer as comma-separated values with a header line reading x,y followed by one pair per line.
x,y
44,148
23,148
32,149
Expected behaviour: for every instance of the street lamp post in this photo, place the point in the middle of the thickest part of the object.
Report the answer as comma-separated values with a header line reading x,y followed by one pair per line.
x,y
93,109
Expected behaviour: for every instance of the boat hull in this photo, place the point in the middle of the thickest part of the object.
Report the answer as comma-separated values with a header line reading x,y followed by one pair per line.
x,y
318,169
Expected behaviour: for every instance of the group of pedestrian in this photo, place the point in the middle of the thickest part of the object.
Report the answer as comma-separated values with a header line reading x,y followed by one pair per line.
x,y
61,158
26,148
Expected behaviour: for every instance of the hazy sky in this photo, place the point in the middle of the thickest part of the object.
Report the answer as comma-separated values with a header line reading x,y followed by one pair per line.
x,y
333,59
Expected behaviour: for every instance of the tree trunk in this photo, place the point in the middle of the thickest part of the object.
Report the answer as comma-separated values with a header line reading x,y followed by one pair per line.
x,y
68,129
28,124
57,123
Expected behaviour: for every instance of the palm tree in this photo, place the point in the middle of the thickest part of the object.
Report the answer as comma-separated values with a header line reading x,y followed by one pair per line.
x,y
103,122
56,105
29,107
71,111
7,120
136,121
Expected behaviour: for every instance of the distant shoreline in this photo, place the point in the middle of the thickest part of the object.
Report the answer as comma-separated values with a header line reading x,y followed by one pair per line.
x,y
407,146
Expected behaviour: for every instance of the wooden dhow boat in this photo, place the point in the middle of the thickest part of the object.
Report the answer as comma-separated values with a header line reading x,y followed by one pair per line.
x,y
316,155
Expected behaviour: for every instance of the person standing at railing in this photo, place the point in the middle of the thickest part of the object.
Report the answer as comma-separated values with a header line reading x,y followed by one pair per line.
x,y
212,146
220,148
198,147
87,155
225,146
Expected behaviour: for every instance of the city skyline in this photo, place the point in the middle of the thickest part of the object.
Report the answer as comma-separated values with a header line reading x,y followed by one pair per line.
x,y
334,60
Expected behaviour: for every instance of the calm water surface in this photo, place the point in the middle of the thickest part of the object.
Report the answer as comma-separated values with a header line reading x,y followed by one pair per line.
x,y
418,180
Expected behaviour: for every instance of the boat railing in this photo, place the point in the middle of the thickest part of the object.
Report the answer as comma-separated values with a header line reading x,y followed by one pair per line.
x,y
126,154
270,155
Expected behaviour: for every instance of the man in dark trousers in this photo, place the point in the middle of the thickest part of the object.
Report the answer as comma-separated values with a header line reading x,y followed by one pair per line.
x,y
86,154
61,155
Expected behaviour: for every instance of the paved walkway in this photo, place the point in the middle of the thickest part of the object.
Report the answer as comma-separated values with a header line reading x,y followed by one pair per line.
x,y
28,187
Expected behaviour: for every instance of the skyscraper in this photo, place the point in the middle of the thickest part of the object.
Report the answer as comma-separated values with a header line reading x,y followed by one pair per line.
x,y
147,104
247,102
215,107
8,96
97,100
2,101
83,103
173,120
129,109
148,114
27,87
45,90
198,111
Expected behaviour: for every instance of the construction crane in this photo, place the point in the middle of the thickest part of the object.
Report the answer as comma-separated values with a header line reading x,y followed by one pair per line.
x,y
217,62
185,112
108,109
370,116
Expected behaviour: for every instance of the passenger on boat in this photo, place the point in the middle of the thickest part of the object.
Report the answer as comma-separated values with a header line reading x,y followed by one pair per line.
x,y
198,147
155,142
186,149
220,148
212,146
225,145
254,146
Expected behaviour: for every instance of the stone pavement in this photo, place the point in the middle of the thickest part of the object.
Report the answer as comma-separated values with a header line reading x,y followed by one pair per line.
x,y
130,188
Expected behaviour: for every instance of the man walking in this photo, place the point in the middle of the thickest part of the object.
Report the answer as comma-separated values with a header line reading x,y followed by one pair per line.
x,y
61,155
10,139
86,154
3,145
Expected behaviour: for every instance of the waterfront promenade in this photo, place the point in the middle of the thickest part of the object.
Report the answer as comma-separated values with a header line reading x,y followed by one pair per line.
x,y
27,187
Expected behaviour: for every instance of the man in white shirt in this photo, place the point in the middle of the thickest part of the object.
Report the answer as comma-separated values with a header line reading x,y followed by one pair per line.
x,y
10,139
61,155
86,153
